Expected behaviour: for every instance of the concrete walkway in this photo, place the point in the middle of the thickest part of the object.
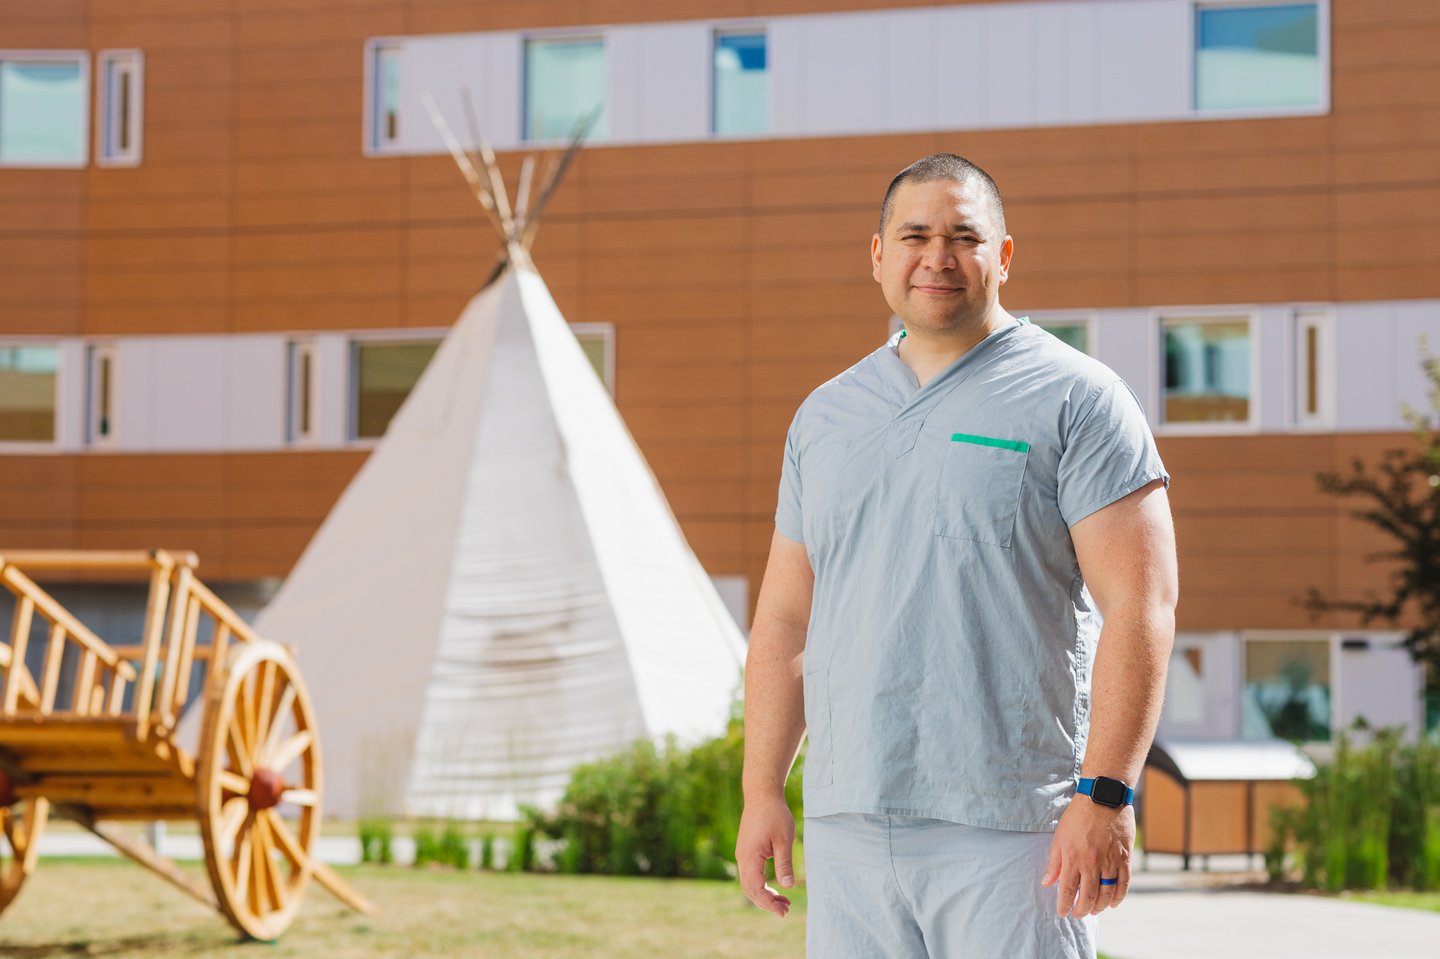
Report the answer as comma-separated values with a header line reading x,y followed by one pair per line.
x,y
1174,915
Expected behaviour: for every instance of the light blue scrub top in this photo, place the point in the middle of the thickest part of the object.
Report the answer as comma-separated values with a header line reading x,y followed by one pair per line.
x,y
947,665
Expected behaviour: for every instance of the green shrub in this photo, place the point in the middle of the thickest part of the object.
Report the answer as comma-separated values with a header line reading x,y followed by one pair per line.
x,y
487,851
522,850
654,810
376,835
427,844
1371,819
454,846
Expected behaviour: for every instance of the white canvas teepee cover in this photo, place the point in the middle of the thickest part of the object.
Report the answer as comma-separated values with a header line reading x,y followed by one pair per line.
x,y
501,592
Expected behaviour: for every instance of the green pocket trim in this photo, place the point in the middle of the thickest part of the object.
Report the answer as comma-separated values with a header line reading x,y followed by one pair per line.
x,y
1015,445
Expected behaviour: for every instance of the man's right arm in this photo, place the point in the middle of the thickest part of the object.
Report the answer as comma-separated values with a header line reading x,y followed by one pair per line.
x,y
774,721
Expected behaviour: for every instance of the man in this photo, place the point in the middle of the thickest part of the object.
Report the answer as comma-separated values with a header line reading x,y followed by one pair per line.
x,y
956,513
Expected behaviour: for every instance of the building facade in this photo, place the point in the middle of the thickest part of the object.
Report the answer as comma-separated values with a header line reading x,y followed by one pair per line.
x,y
230,237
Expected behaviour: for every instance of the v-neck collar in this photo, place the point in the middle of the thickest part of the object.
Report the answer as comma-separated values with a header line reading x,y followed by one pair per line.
x,y
905,385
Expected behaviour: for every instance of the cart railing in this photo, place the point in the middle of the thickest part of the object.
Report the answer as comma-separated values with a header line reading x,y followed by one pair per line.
x,y
159,668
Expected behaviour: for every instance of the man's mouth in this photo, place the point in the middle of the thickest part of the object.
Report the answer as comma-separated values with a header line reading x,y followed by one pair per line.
x,y
933,290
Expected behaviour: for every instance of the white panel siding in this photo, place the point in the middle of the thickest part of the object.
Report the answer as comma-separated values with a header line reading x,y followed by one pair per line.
x,y
1010,64
1382,684
184,394
905,48
1270,351
1366,390
332,389
488,66
785,51
843,75
257,371
663,73
1145,60
961,76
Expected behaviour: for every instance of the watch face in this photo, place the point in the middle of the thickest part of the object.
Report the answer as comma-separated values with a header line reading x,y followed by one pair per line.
x,y
1108,792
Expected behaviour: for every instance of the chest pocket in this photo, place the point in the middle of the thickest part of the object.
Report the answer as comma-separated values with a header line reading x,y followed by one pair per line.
x,y
979,493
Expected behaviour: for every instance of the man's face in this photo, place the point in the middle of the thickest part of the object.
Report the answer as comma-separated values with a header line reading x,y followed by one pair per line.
x,y
942,260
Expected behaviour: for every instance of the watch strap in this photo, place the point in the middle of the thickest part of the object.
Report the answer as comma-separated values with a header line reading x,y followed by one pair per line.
x,y
1086,787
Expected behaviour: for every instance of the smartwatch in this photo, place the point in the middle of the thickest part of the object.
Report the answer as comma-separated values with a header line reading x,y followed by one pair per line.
x,y
1106,791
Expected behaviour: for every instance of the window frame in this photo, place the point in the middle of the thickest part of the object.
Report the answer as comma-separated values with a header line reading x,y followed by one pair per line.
x,y
353,340
371,144
107,154
1320,320
606,331
1322,53
96,354
739,30
1218,314
527,137
82,57
8,446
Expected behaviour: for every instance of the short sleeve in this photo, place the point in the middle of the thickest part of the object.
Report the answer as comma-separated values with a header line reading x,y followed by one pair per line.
x,y
788,518
1109,454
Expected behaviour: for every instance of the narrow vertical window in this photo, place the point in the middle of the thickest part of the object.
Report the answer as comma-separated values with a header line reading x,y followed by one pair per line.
x,y
741,84
100,426
1314,394
565,80
301,399
121,107
598,342
1207,369
384,96
43,108
27,393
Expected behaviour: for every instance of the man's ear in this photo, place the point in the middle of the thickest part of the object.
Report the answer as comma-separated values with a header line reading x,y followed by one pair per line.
x,y
875,257
1007,253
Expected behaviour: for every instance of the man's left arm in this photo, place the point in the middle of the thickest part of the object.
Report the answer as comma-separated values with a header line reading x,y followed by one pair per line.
x,y
1126,553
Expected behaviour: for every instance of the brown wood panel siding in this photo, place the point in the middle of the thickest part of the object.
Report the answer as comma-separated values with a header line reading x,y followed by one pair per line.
x,y
735,273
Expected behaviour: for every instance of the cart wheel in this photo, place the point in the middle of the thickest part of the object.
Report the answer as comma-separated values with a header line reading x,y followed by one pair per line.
x,y
259,789
22,821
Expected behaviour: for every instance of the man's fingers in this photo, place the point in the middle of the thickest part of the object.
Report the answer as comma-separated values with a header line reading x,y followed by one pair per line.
x,y
1122,886
1069,886
1103,897
1089,891
784,869
1052,865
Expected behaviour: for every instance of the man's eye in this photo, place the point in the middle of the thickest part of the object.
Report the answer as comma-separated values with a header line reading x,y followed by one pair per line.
x,y
912,236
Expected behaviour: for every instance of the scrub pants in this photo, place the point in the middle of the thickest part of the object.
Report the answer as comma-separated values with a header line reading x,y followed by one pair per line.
x,y
892,887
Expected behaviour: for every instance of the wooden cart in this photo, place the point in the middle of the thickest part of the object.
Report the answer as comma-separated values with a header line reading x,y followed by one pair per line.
x,y
93,735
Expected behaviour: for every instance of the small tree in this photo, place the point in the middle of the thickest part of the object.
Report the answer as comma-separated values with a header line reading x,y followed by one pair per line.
x,y
1401,496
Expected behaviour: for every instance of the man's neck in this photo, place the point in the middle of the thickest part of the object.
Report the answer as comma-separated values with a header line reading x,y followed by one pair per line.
x,y
927,352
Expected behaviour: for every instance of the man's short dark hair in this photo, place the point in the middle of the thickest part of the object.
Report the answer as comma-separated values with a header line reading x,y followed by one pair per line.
x,y
943,166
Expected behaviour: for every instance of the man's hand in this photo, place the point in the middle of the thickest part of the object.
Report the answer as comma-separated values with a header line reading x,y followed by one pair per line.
x,y
767,831
1091,842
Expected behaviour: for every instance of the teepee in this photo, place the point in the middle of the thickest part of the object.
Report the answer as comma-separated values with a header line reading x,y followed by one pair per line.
x,y
501,593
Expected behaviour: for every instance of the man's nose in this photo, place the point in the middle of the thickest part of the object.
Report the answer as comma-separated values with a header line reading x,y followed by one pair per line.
x,y
937,255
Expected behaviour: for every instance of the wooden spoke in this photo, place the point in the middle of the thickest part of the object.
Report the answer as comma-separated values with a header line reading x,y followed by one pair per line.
x,y
278,724
299,797
285,840
239,751
245,712
235,783
264,701
23,824
231,820
271,878
243,852
289,750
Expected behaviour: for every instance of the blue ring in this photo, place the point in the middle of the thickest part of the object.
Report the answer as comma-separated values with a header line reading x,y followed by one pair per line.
x,y
1109,882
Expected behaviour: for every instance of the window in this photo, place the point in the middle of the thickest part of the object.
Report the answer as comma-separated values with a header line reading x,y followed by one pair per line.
x,y
1314,384
1288,691
742,85
1074,333
565,80
121,99
384,99
598,342
1251,56
384,372
27,393
300,401
42,108
1207,369
100,421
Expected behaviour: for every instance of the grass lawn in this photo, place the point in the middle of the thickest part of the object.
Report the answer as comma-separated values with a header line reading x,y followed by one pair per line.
x,y
1407,900
111,908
